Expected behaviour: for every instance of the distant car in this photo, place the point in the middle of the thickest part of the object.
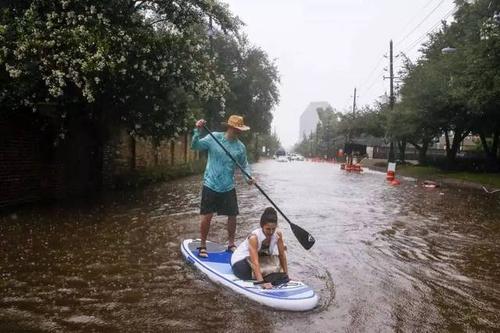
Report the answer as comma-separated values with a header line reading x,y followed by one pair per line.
x,y
282,158
296,157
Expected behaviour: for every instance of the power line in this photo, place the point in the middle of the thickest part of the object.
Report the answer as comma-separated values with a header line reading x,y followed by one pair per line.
x,y
411,45
415,16
371,72
375,80
437,25
368,78
421,22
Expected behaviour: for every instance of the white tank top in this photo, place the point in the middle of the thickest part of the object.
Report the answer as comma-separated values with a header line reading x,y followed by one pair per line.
x,y
243,252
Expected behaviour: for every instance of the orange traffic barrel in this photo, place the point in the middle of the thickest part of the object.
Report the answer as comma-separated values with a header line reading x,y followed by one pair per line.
x,y
395,182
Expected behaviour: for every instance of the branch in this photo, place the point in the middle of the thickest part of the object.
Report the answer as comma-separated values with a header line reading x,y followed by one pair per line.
x,y
466,133
414,144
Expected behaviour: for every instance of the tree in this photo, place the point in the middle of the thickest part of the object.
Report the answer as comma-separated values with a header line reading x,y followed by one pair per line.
x,y
418,114
479,83
252,79
456,94
140,63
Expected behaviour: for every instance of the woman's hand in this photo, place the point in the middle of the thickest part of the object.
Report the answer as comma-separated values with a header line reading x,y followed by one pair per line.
x,y
267,285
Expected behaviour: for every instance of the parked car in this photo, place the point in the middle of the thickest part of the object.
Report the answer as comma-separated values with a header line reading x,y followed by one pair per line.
x,y
282,158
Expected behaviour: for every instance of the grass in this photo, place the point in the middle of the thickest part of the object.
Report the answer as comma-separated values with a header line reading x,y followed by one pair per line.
x,y
481,178
492,179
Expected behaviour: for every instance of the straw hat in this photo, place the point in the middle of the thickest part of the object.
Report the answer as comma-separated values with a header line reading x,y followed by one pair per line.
x,y
236,122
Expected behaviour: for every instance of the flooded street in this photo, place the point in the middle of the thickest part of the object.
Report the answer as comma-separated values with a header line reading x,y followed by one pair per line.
x,y
386,259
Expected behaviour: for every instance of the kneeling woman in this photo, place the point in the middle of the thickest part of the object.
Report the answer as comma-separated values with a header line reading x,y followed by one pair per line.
x,y
264,247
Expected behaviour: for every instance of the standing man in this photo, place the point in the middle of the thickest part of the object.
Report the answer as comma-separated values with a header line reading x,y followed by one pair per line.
x,y
218,194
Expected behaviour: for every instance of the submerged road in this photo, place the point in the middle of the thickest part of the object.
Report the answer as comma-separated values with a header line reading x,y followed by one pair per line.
x,y
386,259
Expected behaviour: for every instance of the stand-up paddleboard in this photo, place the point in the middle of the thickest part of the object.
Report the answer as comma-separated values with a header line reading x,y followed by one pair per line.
x,y
292,296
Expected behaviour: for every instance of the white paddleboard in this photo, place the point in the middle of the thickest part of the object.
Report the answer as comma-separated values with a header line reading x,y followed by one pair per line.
x,y
292,296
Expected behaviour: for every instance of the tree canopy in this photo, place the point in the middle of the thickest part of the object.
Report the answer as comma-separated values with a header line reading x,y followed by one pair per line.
x,y
149,65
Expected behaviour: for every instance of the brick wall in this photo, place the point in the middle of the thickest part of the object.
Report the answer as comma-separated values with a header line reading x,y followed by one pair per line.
x,y
35,166
20,164
124,154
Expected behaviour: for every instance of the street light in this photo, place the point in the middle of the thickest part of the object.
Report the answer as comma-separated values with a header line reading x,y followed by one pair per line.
x,y
448,50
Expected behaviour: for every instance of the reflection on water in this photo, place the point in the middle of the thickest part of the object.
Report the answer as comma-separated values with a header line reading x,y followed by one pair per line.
x,y
386,258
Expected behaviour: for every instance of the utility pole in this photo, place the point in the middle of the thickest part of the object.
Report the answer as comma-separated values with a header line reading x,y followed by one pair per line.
x,y
391,73
349,156
354,105
391,98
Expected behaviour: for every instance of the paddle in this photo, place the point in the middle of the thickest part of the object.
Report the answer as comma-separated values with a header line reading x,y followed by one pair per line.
x,y
305,239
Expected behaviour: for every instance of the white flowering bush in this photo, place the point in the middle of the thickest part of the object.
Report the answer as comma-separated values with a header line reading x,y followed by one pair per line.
x,y
142,63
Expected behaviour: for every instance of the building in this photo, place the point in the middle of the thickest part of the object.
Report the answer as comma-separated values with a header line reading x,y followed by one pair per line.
x,y
309,118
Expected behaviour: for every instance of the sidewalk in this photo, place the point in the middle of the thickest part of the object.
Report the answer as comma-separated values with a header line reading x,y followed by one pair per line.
x,y
427,173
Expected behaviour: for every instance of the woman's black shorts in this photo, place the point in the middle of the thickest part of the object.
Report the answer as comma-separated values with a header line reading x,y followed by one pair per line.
x,y
222,203
242,270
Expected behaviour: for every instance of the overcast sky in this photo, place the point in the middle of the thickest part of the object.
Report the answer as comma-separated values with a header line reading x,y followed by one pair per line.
x,y
325,48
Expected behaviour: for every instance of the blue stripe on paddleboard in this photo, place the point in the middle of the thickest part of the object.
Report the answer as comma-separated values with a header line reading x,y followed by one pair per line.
x,y
221,268
265,294
221,257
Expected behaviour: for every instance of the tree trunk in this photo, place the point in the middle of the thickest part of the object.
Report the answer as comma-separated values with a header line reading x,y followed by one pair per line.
x,y
422,153
494,146
484,143
447,140
451,153
490,153
402,150
391,151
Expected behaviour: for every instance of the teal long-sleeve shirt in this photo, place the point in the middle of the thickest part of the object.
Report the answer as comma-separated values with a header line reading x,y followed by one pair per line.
x,y
219,172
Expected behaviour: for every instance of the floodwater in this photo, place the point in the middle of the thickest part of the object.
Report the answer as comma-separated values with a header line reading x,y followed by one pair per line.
x,y
386,259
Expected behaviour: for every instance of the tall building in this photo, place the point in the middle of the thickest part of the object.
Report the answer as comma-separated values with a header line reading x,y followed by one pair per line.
x,y
309,118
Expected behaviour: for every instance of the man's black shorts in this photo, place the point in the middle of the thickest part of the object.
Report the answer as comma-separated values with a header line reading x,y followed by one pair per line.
x,y
222,203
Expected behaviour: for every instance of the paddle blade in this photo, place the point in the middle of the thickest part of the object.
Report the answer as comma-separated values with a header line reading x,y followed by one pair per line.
x,y
305,239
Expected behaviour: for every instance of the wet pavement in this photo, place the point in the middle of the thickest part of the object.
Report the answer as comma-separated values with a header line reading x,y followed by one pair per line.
x,y
386,259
